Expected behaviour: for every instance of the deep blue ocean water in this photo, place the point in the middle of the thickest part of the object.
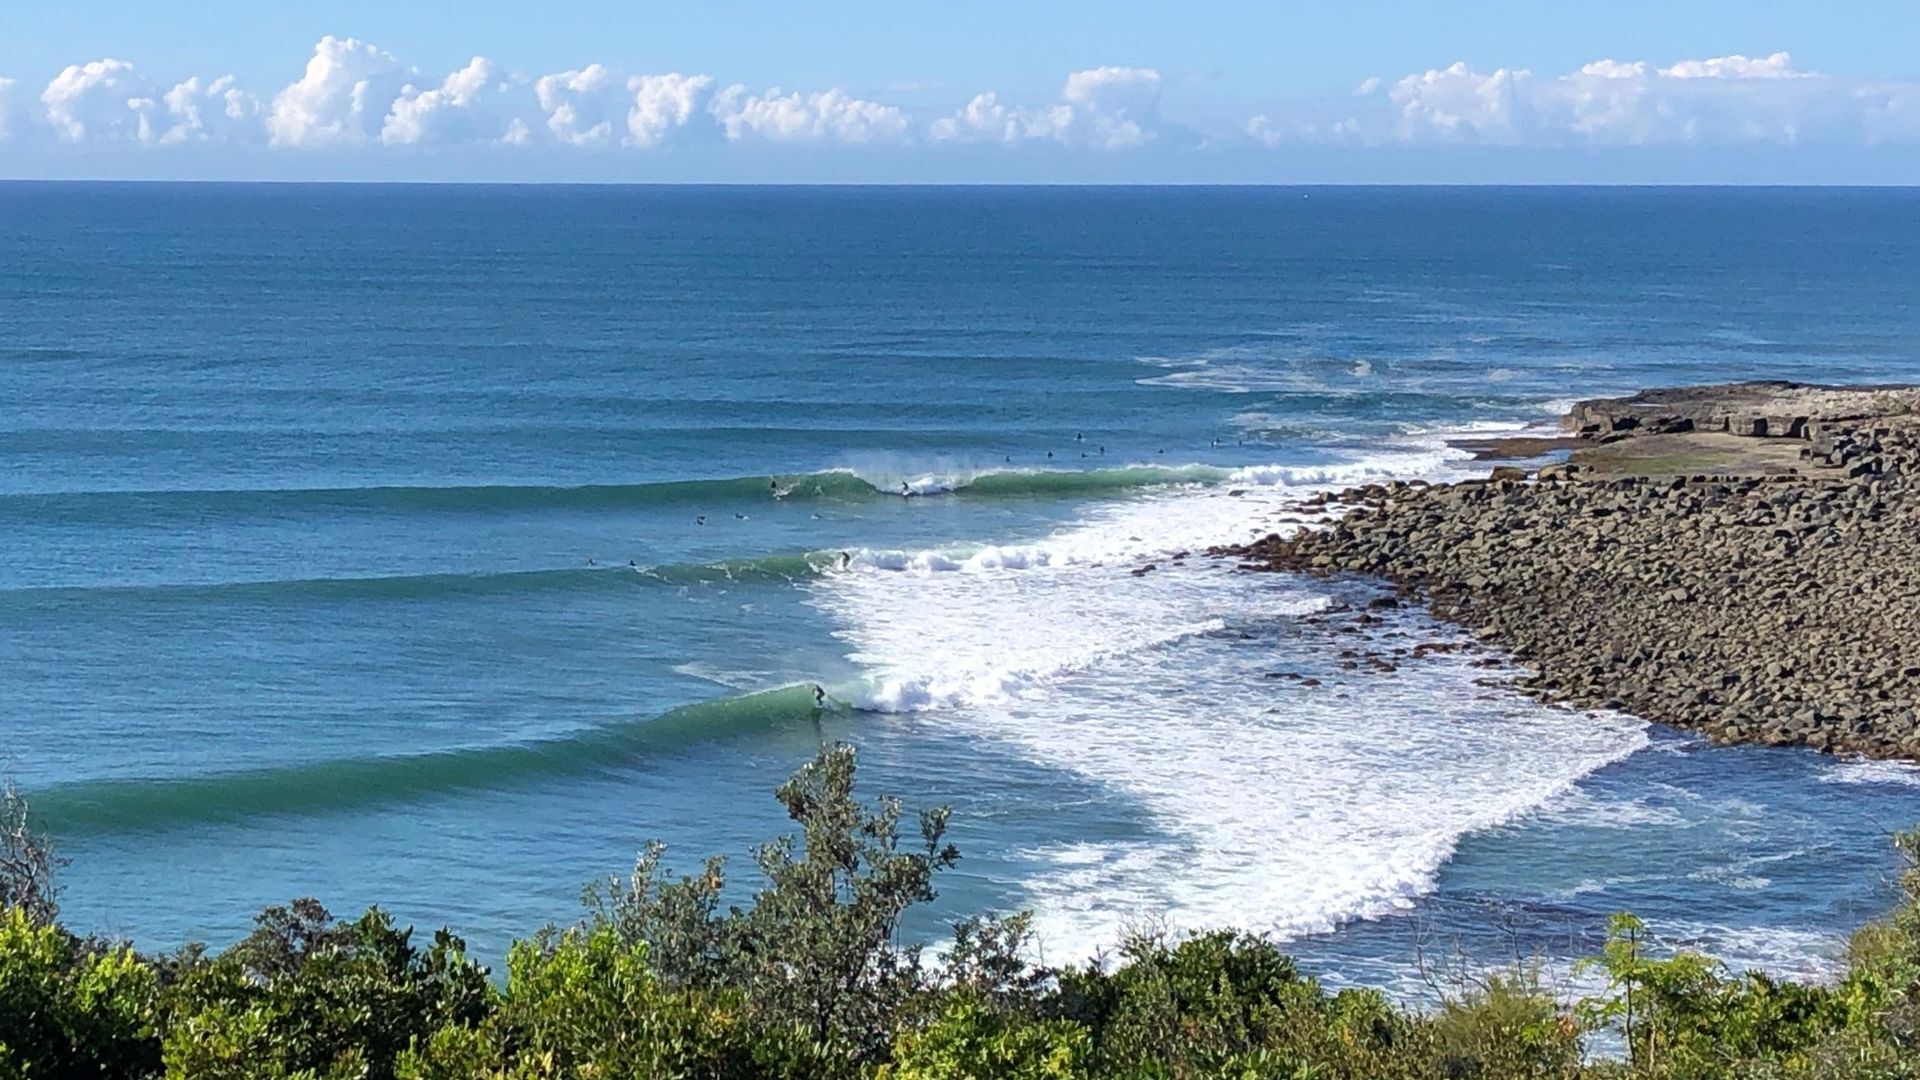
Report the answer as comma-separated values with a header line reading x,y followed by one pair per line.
x,y
438,546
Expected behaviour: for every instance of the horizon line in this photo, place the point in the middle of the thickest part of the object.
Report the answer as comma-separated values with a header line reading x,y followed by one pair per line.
x,y
42,181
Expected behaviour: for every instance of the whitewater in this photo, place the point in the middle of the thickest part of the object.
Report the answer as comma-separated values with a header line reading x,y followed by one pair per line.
x,y
1282,812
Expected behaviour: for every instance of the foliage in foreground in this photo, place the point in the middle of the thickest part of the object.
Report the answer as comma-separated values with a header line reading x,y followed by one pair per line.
x,y
812,979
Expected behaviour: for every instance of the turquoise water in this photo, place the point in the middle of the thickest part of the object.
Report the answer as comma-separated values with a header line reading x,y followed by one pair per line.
x,y
437,547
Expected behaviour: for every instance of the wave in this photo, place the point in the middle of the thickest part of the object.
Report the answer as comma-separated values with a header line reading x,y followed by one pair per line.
x,y
152,804
832,484
845,485
401,587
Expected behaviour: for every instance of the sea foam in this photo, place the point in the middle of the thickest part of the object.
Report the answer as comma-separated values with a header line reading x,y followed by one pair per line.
x,y
1267,805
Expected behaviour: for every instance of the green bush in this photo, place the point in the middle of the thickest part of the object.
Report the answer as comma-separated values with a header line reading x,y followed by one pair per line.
x,y
809,978
1503,1024
971,1039
305,995
69,1008
1225,1004
584,1003
819,948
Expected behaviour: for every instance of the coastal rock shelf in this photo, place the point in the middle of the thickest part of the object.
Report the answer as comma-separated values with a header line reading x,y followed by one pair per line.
x,y
1741,560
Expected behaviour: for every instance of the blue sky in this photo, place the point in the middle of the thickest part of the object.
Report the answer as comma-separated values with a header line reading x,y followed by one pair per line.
x,y
1368,91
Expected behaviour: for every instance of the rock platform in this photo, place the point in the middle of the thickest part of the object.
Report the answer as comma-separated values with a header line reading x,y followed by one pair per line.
x,y
1741,560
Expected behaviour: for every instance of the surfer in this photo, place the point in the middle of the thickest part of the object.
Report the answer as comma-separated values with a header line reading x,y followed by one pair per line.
x,y
819,697
906,490
700,520
846,559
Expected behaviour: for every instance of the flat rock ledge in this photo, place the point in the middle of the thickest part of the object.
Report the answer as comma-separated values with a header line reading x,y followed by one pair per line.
x,y
1755,602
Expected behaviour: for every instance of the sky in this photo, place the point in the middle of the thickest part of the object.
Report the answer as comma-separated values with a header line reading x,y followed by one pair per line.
x,y
1365,91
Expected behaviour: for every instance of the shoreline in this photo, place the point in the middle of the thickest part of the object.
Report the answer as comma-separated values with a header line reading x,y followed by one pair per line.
x,y
1736,559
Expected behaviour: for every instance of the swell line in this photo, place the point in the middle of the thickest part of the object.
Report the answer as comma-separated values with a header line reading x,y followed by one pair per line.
x,y
153,804
400,587
845,485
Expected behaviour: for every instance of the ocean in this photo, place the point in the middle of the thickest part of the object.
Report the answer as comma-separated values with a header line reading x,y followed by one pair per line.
x,y
437,547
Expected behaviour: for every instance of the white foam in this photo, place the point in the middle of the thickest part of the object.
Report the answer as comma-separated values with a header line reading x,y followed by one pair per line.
x,y
713,673
1589,810
1868,771
1280,808
1780,951
1423,463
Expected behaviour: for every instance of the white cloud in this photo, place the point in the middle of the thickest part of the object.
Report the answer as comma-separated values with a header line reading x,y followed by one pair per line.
x,y
1721,99
594,106
355,95
1610,102
985,119
823,116
95,100
664,105
582,106
342,99
1272,133
1777,66
1111,108
472,105
196,112
1459,104
1114,107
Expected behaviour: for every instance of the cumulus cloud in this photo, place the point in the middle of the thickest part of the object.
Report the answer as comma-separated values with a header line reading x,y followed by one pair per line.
x,y
342,99
354,95
595,106
582,106
1109,108
825,116
1114,107
1723,99
1777,66
664,105
1271,133
95,100
1459,104
471,105
199,112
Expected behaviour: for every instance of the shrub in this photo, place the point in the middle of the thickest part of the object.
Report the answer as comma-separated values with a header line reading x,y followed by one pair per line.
x,y
586,1003
1224,1004
1504,1024
70,1008
971,1039
818,949
307,995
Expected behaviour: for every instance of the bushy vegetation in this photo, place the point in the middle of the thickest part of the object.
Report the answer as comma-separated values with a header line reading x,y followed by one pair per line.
x,y
811,978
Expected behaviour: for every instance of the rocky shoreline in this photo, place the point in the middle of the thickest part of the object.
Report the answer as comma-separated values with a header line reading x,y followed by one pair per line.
x,y
1741,560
